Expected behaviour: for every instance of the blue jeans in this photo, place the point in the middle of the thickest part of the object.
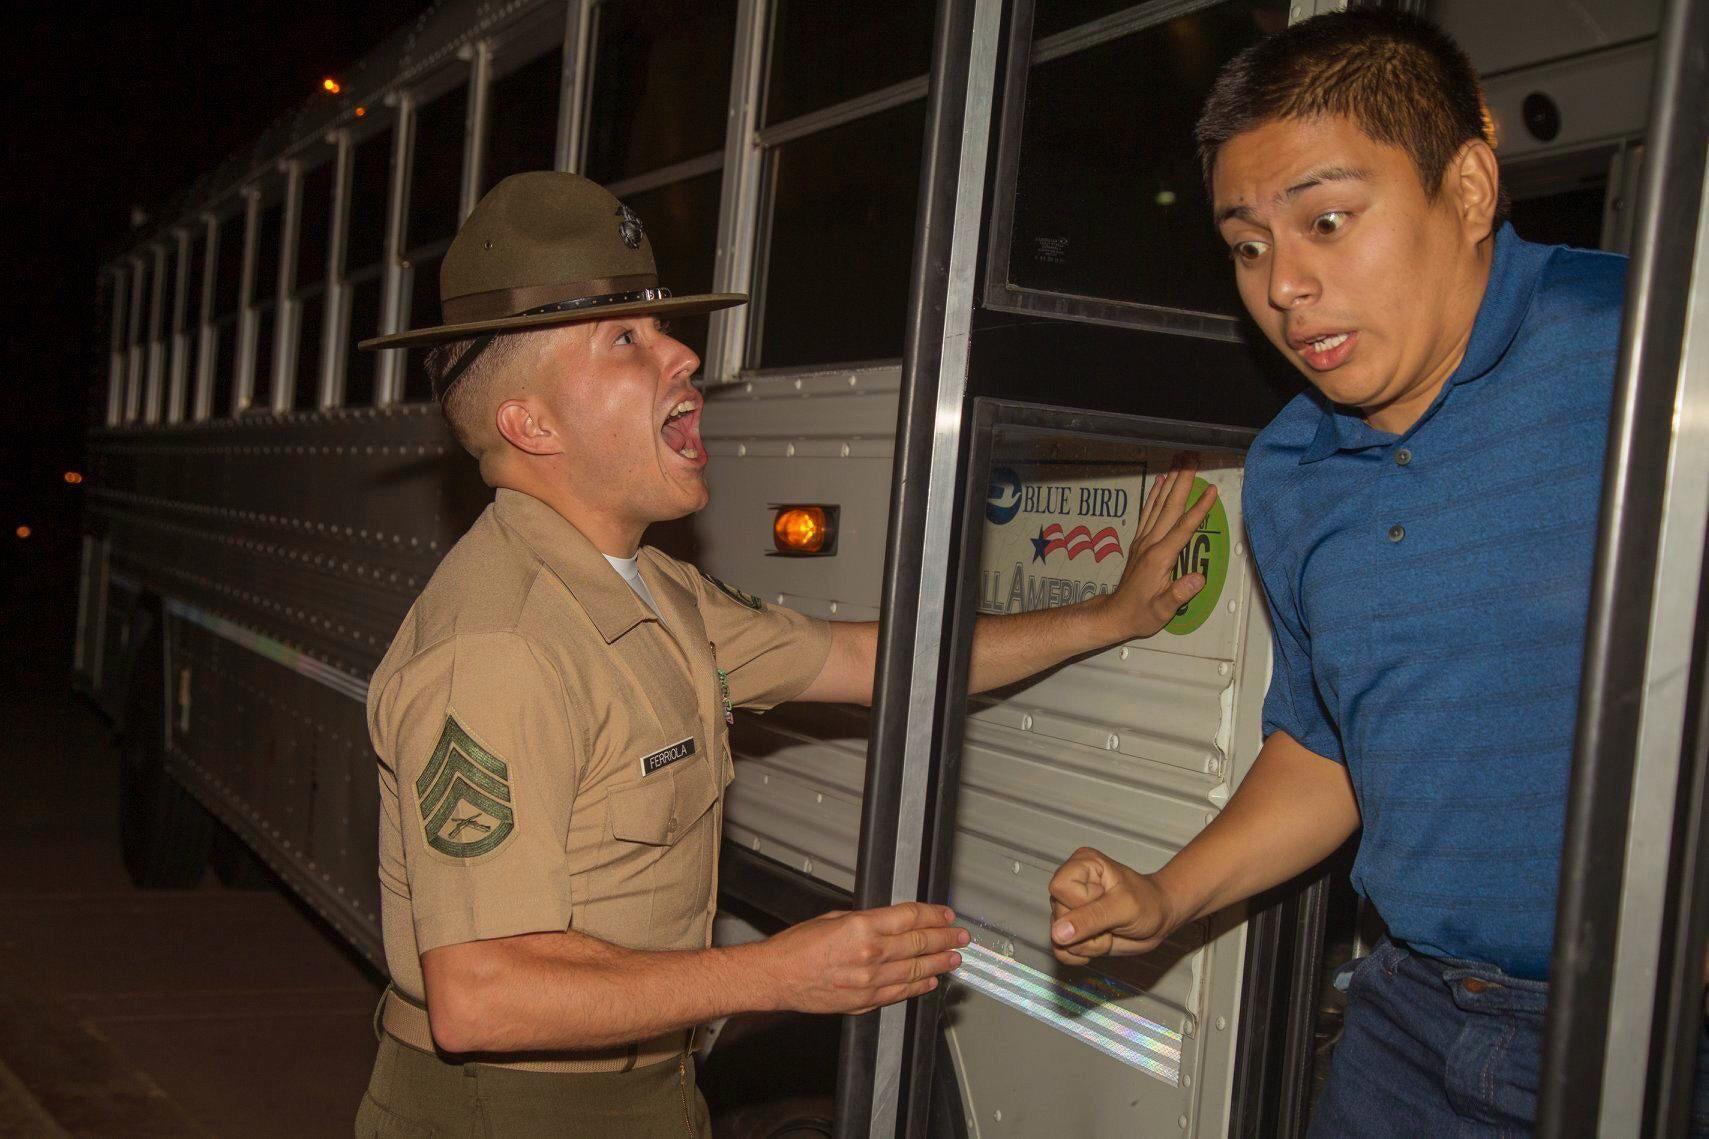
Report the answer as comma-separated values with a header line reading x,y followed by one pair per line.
x,y
1443,1048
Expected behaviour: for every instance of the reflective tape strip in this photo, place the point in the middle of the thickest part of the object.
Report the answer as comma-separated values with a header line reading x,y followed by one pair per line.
x,y
299,662
1082,1013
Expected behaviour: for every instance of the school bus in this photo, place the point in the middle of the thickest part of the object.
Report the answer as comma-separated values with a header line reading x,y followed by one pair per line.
x,y
988,305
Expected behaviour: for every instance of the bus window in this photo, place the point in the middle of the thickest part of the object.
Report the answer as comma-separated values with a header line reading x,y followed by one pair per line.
x,y
828,53
435,190
522,116
265,293
840,241
655,133
841,183
365,250
310,295
1109,204
661,80
228,286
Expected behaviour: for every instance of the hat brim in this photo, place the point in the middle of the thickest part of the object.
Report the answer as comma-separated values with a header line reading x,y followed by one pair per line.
x,y
439,334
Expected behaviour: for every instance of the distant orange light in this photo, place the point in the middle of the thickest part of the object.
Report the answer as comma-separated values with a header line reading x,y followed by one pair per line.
x,y
802,530
331,85
23,531
73,477
360,111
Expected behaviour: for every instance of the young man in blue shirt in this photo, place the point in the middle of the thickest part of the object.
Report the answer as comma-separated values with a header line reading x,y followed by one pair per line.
x,y
1423,519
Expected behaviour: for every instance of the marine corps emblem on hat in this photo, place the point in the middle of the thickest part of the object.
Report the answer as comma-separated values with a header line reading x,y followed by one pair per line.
x,y
541,249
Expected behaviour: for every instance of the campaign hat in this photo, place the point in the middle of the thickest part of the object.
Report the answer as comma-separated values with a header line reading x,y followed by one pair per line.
x,y
548,248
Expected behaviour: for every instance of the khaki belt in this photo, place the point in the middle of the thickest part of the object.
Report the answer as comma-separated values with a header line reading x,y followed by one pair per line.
x,y
406,1022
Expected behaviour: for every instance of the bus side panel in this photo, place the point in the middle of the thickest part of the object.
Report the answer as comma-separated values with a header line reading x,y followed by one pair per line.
x,y
820,439
282,553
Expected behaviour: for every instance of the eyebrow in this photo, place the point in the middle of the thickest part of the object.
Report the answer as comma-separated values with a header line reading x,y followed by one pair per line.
x,y
1317,176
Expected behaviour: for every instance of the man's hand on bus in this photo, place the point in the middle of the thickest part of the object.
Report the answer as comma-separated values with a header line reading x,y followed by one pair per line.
x,y
1293,809
844,962
1149,594
1010,647
1099,907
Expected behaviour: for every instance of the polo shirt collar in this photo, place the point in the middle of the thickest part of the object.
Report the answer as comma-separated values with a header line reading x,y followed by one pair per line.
x,y
610,603
1515,269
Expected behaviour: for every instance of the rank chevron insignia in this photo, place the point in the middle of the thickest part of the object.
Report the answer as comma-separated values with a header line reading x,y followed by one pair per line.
x,y
465,796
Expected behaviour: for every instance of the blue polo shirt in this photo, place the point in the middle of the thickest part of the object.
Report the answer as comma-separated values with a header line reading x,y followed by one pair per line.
x,y
1429,591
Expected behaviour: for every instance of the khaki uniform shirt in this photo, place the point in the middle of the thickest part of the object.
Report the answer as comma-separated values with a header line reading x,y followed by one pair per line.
x,y
553,755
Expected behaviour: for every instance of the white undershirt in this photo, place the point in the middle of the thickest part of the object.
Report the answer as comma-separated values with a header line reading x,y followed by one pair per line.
x,y
629,569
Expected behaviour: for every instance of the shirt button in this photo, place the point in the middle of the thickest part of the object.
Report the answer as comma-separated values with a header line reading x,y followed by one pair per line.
x,y
1473,985
1402,457
1397,532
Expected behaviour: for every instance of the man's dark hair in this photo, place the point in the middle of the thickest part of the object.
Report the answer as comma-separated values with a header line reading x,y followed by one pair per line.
x,y
465,404
1398,77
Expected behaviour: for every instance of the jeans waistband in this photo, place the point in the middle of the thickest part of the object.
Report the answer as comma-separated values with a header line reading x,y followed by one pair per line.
x,y
1475,986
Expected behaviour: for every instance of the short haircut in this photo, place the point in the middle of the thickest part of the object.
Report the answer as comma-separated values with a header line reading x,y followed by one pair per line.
x,y
467,406
1398,77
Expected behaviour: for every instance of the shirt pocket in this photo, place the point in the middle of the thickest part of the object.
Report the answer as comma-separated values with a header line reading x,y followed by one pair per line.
x,y
660,808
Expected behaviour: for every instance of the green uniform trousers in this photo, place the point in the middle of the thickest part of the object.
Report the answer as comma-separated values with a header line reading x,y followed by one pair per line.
x,y
412,1094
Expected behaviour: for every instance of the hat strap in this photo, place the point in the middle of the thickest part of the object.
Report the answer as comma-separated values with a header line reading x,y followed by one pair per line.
x,y
484,341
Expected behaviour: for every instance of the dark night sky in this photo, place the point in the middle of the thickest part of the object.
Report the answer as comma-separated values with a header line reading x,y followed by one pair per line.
x,y
107,106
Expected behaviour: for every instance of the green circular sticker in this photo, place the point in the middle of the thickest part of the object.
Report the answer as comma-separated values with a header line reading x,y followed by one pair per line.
x,y
1206,552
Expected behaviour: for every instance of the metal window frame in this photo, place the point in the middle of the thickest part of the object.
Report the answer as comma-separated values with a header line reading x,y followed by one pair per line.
x,y
282,368
739,194
248,324
479,56
120,319
912,668
207,343
1000,294
133,351
1629,933
335,319
155,367
388,377
178,360
572,91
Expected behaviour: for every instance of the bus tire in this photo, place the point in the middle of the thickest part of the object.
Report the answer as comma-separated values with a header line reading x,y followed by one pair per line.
x,y
165,835
236,866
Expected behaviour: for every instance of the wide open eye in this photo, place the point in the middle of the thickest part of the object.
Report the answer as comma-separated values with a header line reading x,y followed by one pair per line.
x,y
1326,224
1246,252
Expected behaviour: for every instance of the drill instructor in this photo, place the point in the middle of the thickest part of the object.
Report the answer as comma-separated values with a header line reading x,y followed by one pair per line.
x,y
551,719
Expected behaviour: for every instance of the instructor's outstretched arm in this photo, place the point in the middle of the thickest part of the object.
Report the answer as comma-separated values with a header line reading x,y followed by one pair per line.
x,y
1012,647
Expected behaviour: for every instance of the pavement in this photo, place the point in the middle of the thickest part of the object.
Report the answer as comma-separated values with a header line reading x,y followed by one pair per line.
x,y
126,1012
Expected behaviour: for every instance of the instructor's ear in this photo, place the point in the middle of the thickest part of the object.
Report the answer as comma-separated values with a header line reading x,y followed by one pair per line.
x,y
526,430
1473,183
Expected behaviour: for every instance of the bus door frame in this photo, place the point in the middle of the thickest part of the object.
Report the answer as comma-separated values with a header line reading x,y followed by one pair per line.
x,y
911,668
1623,1022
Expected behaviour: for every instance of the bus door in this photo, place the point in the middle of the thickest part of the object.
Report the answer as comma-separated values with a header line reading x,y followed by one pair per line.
x,y
1073,326
1627,1011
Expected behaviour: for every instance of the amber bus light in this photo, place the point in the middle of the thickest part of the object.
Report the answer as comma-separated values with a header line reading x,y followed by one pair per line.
x,y
805,530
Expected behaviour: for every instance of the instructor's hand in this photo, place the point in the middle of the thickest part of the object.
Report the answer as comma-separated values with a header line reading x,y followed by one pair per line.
x,y
1148,594
852,962
1100,907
